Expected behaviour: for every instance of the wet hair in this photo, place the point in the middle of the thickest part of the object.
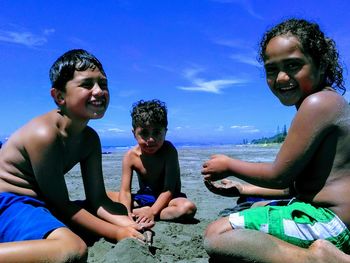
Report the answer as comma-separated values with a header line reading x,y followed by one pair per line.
x,y
147,113
63,68
315,44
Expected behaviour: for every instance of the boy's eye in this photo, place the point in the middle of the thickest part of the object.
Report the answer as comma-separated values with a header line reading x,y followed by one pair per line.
x,y
103,84
144,134
271,70
293,67
87,84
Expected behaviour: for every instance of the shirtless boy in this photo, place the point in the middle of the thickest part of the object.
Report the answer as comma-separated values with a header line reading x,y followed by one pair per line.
x,y
302,69
156,164
33,163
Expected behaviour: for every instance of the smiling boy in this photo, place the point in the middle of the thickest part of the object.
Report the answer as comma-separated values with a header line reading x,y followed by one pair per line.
x,y
36,157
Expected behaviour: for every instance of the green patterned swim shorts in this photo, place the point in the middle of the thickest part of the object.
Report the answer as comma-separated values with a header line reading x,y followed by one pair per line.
x,y
297,223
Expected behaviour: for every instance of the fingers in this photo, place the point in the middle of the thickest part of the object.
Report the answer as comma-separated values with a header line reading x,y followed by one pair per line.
x,y
227,181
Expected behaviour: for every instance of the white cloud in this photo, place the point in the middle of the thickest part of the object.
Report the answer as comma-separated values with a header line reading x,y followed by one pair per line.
x,y
211,86
117,130
245,4
25,38
220,128
250,60
232,43
245,128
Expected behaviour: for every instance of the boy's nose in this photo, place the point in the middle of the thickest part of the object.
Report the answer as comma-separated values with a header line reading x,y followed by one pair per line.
x,y
150,139
97,91
282,77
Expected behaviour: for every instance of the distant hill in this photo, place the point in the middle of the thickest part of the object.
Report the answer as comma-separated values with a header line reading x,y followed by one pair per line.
x,y
278,138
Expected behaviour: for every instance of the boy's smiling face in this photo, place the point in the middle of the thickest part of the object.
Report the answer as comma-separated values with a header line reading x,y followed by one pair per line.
x,y
150,138
86,96
290,74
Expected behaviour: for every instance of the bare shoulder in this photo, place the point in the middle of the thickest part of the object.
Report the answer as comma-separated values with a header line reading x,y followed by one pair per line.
x,y
38,132
132,154
168,148
326,100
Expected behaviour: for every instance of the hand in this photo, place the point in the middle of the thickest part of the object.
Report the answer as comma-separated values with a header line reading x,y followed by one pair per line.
x,y
129,232
144,216
216,168
226,188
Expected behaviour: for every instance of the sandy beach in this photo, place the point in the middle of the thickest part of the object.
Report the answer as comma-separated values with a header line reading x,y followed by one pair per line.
x,y
172,242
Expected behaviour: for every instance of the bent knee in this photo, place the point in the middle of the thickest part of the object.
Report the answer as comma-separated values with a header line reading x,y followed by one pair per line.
x,y
217,228
189,208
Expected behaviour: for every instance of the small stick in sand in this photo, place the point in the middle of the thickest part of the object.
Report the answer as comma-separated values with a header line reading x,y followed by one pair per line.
x,y
149,237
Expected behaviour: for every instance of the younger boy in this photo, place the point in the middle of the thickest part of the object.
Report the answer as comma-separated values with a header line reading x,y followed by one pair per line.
x,y
156,164
33,163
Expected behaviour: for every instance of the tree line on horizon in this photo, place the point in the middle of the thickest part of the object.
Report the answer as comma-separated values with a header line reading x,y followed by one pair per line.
x,y
279,137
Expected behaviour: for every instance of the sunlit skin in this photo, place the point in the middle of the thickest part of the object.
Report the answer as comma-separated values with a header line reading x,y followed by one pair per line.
x,y
35,158
156,164
314,156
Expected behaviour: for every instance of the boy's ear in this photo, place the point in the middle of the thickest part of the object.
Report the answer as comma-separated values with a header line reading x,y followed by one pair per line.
x,y
58,96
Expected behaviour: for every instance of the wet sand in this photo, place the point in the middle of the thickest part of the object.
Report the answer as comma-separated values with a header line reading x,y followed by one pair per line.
x,y
173,242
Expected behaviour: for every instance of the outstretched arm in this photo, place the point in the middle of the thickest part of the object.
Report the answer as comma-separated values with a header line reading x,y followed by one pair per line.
x,y
313,122
231,188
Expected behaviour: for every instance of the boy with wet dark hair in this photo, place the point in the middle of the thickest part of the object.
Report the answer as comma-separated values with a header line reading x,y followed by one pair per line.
x,y
302,69
156,164
36,157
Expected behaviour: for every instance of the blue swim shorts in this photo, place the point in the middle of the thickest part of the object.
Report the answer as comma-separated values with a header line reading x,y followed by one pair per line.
x,y
297,223
25,218
147,197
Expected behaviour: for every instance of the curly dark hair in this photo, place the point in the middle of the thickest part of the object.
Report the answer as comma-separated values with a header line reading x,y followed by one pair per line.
x,y
63,68
314,43
146,113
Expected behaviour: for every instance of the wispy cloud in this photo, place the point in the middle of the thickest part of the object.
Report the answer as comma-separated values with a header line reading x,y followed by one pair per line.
x,y
220,128
211,86
245,128
25,38
245,4
233,43
115,130
246,59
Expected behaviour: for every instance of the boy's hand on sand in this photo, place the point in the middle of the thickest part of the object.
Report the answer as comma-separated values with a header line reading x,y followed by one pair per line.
x,y
129,232
144,215
216,168
226,187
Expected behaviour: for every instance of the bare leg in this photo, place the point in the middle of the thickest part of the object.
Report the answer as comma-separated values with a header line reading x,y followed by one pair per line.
x,y
178,208
224,244
62,245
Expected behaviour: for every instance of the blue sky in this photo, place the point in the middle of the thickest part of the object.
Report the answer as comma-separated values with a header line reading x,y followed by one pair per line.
x,y
198,56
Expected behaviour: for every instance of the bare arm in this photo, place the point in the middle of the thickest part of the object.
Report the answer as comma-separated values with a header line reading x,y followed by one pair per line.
x,y
314,120
125,187
231,188
95,192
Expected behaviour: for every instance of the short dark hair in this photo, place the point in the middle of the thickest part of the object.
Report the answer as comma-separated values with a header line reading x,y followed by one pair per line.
x,y
314,43
63,68
146,113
